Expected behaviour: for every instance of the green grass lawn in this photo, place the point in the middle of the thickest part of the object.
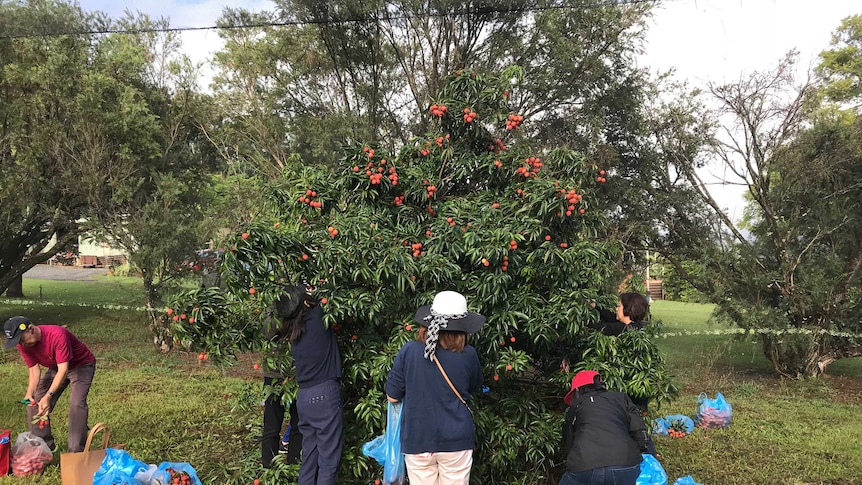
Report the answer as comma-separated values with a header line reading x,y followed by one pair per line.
x,y
172,408
104,290
783,431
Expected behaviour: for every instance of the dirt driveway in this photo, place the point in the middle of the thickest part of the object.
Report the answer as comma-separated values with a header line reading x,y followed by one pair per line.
x,y
63,273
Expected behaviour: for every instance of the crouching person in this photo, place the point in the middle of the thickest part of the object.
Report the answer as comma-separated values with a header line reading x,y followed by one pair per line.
x,y
603,435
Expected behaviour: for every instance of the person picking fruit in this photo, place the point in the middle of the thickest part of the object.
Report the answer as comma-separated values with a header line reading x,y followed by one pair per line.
x,y
318,375
631,310
603,434
68,363
434,376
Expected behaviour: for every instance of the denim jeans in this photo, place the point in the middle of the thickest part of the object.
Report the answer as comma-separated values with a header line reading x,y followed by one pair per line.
x,y
321,423
609,475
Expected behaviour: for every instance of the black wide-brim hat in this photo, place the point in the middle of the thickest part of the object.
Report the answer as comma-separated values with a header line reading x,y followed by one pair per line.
x,y
453,306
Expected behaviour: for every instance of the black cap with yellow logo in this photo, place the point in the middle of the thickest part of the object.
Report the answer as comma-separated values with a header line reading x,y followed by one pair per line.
x,y
14,328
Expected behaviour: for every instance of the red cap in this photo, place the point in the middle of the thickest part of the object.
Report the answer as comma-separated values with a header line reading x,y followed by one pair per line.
x,y
582,378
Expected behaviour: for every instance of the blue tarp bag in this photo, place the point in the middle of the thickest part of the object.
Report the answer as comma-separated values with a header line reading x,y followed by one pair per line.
x,y
681,420
713,413
660,426
118,468
652,472
386,449
163,473
686,480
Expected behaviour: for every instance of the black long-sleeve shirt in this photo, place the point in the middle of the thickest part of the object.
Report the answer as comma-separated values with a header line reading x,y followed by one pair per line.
x,y
609,325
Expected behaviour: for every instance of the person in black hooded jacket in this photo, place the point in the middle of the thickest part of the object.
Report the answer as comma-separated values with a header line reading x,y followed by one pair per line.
x,y
603,435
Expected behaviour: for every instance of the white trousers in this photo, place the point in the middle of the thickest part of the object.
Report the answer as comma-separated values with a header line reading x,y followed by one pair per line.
x,y
446,468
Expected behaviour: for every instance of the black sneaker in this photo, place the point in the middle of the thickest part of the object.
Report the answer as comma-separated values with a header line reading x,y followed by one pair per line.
x,y
282,448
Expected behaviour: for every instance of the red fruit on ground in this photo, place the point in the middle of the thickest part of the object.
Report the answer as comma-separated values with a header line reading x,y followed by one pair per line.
x,y
245,235
408,327
496,377
512,339
324,301
547,238
252,291
509,367
256,366
170,311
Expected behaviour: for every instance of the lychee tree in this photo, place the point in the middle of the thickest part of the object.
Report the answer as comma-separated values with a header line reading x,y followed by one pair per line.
x,y
467,207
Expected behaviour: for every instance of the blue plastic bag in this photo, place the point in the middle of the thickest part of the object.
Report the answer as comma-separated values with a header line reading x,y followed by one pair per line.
x,y
163,473
713,413
652,473
686,480
386,449
118,468
660,426
680,420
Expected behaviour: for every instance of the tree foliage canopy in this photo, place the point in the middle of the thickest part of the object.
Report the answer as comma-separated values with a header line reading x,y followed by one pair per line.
x,y
467,206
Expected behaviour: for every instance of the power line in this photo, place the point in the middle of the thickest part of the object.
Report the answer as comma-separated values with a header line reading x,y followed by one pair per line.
x,y
331,21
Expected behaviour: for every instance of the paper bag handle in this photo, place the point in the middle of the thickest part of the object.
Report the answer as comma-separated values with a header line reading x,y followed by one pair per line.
x,y
96,428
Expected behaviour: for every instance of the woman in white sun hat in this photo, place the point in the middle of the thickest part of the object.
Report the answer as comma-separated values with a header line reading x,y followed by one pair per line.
x,y
434,376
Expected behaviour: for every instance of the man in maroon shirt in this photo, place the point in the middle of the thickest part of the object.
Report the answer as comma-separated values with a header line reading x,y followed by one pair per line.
x,y
68,363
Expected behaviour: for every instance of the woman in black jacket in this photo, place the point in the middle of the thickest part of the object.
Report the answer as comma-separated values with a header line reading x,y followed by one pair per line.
x,y
603,434
629,314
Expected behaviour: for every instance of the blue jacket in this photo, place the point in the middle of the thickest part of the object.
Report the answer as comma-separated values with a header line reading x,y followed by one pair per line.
x,y
316,354
433,419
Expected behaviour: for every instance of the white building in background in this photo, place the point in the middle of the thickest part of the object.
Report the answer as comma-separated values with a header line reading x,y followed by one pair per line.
x,y
93,253
89,253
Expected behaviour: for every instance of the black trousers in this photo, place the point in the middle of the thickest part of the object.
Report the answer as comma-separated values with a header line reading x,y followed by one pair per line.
x,y
273,420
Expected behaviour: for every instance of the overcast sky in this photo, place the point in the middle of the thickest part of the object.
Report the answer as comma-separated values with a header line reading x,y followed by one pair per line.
x,y
702,40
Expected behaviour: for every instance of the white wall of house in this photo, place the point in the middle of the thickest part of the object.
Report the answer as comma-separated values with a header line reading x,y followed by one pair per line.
x,y
89,247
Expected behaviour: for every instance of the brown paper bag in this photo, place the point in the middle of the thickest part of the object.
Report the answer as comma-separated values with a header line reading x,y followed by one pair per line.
x,y
79,468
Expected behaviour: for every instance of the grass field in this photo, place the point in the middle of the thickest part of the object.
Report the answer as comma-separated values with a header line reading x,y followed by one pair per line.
x,y
171,408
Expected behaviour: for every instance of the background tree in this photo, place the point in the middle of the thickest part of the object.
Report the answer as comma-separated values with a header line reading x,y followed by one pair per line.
x,y
157,210
840,66
46,86
363,70
790,268
467,206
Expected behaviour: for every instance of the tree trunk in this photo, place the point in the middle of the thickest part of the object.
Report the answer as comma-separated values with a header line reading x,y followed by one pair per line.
x,y
162,338
16,288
